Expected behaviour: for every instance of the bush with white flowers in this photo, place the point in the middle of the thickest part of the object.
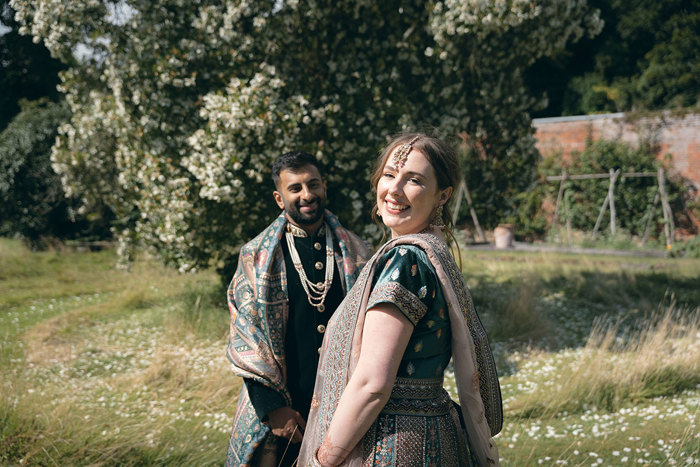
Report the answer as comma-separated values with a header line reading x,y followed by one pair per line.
x,y
179,108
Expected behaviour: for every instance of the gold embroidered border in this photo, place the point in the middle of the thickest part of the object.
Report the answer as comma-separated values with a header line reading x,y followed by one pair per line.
x,y
405,300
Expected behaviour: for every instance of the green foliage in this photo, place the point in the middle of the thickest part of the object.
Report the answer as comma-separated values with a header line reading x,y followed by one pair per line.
x,y
645,58
32,203
672,77
584,198
687,249
182,107
632,195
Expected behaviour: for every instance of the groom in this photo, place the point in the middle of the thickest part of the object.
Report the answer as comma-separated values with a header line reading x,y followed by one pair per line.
x,y
289,281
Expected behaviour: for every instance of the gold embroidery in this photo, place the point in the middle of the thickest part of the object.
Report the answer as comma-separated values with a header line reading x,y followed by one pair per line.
x,y
296,231
405,300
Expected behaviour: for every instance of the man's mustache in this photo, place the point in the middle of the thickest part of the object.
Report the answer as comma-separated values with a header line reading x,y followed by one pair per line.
x,y
309,203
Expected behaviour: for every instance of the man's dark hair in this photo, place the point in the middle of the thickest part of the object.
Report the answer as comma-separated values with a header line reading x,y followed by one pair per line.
x,y
293,161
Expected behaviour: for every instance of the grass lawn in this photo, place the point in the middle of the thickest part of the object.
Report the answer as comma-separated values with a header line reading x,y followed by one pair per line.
x,y
599,359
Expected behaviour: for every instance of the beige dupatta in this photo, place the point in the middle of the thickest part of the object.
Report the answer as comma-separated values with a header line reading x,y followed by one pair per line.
x,y
475,370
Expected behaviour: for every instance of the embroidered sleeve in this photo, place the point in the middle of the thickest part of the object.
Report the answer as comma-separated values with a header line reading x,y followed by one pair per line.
x,y
406,279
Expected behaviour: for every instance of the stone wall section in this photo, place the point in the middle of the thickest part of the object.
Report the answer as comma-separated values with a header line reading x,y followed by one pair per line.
x,y
675,135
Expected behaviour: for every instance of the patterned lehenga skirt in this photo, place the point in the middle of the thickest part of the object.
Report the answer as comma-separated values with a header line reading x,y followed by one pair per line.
x,y
419,426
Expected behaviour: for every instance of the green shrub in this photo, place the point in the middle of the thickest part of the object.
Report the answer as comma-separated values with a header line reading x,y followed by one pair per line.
x,y
687,249
32,202
584,198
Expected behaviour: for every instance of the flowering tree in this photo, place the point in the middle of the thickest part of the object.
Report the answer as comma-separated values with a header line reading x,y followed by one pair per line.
x,y
181,107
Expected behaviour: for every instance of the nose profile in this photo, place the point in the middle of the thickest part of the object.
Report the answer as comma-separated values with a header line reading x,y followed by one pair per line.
x,y
305,193
395,187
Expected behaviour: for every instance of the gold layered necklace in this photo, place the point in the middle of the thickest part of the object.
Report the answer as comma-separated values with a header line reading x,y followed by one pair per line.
x,y
315,293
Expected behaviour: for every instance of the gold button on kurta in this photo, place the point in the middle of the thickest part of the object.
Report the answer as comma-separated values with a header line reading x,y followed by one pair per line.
x,y
321,328
317,246
318,265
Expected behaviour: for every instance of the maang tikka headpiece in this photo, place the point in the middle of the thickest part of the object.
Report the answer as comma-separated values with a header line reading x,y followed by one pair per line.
x,y
401,154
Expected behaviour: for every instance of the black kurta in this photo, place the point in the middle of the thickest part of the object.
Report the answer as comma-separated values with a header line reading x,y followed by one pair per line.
x,y
305,328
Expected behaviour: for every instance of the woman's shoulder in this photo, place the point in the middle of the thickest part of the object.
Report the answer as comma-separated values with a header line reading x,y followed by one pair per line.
x,y
406,256
424,245
406,252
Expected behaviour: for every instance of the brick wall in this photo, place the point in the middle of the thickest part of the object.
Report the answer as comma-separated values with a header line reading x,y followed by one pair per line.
x,y
679,136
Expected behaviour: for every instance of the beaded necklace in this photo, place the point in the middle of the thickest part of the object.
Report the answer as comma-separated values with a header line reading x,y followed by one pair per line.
x,y
315,293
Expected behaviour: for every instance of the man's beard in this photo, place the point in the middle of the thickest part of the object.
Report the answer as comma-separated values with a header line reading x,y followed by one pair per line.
x,y
294,212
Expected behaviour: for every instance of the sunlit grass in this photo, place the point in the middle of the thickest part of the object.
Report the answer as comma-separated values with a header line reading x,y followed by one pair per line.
x,y
615,369
113,368
104,367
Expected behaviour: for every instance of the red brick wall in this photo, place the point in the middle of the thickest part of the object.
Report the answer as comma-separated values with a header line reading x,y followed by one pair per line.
x,y
678,136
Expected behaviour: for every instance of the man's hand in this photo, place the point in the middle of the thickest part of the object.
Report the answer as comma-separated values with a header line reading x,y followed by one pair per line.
x,y
284,420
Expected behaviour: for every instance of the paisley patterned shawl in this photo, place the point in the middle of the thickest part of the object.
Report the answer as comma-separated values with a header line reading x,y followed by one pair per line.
x,y
475,369
258,303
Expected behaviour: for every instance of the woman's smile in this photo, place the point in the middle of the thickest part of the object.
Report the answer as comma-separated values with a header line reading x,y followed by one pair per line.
x,y
394,207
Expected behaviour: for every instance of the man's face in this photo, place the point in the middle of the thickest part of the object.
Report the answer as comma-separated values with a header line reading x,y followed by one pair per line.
x,y
302,194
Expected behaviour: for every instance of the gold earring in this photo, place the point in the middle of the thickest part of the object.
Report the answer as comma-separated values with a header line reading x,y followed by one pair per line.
x,y
436,221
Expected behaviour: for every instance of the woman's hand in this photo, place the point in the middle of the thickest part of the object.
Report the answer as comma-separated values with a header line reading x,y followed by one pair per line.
x,y
386,333
328,455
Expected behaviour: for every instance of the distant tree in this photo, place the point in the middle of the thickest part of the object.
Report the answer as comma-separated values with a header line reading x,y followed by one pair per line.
x,y
645,58
27,70
672,76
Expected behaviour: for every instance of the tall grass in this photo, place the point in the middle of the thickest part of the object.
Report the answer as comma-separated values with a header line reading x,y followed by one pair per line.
x,y
104,367
514,312
615,368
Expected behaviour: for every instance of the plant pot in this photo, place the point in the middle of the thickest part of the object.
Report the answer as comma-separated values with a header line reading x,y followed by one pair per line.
x,y
503,236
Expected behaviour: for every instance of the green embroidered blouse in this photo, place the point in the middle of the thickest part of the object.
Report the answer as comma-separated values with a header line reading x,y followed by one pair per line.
x,y
406,278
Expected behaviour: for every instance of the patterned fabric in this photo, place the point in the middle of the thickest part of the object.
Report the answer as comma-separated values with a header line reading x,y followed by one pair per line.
x,y
258,304
406,301
390,440
406,279
411,431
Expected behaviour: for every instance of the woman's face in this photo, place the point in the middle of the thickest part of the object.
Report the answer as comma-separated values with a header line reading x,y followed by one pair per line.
x,y
407,196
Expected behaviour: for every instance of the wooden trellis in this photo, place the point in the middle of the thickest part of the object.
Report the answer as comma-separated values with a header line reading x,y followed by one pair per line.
x,y
463,192
609,201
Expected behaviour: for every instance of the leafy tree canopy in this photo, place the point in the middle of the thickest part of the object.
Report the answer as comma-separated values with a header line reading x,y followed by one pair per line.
x,y
645,58
182,106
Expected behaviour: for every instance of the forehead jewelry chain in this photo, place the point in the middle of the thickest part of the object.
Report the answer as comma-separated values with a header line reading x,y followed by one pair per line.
x,y
401,153
315,293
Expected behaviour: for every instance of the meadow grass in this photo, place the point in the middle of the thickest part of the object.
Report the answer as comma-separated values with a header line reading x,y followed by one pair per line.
x,y
100,366
597,357
615,368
